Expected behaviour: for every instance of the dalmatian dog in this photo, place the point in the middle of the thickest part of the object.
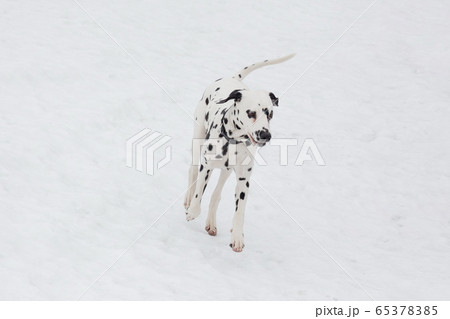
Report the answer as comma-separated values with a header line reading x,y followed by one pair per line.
x,y
231,121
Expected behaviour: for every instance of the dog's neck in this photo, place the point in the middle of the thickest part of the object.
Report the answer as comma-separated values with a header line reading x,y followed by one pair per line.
x,y
230,126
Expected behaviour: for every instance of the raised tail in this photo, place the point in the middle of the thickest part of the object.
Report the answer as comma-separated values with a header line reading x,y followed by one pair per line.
x,y
245,71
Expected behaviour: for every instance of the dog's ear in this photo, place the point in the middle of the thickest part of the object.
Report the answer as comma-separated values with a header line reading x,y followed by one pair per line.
x,y
274,99
235,95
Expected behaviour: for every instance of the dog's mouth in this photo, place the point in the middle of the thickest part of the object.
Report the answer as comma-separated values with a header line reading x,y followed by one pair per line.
x,y
256,143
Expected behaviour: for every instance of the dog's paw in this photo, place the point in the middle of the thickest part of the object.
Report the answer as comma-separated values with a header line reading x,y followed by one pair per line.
x,y
187,200
211,229
192,213
237,242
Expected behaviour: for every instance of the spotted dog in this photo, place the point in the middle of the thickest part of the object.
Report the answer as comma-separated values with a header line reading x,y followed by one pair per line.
x,y
232,120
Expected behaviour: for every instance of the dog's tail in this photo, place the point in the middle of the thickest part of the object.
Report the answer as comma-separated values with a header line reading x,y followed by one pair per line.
x,y
245,71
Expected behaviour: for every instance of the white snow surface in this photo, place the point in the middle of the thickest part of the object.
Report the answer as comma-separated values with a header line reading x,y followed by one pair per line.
x,y
376,104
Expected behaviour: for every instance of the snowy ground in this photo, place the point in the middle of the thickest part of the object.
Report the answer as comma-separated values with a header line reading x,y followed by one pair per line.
x,y
376,104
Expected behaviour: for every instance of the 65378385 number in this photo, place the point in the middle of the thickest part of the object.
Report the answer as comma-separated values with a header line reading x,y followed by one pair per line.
x,y
406,310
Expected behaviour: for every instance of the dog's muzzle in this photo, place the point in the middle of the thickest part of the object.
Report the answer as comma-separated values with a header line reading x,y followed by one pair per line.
x,y
262,137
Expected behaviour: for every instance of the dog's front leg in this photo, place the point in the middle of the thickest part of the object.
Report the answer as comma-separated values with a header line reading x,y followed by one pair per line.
x,y
194,209
211,226
243,174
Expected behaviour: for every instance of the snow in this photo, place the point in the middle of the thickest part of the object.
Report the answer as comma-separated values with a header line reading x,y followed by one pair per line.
x,y
376,104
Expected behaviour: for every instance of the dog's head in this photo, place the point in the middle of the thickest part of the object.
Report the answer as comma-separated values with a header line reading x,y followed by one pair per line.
x,y
253,110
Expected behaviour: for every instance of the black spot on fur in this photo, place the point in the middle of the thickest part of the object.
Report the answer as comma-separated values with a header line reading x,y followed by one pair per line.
x,y
242,178
218,156
249,169
204,187
251,114
207,101
215,126
242,195
196,195
217,89
225,120
225,149
230,132
240,76
210,147
201,167
207,114
246,68
235,95
226,163
237,126
218,80
247,184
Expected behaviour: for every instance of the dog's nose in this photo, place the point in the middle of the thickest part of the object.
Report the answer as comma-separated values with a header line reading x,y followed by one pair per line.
x,y
265,135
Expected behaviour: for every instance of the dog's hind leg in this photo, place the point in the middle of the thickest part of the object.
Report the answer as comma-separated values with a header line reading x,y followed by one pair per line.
x,y
199,134
211,227
192,179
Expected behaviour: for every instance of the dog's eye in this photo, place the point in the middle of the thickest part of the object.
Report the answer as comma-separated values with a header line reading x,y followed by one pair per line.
x,y
270,116
251,114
